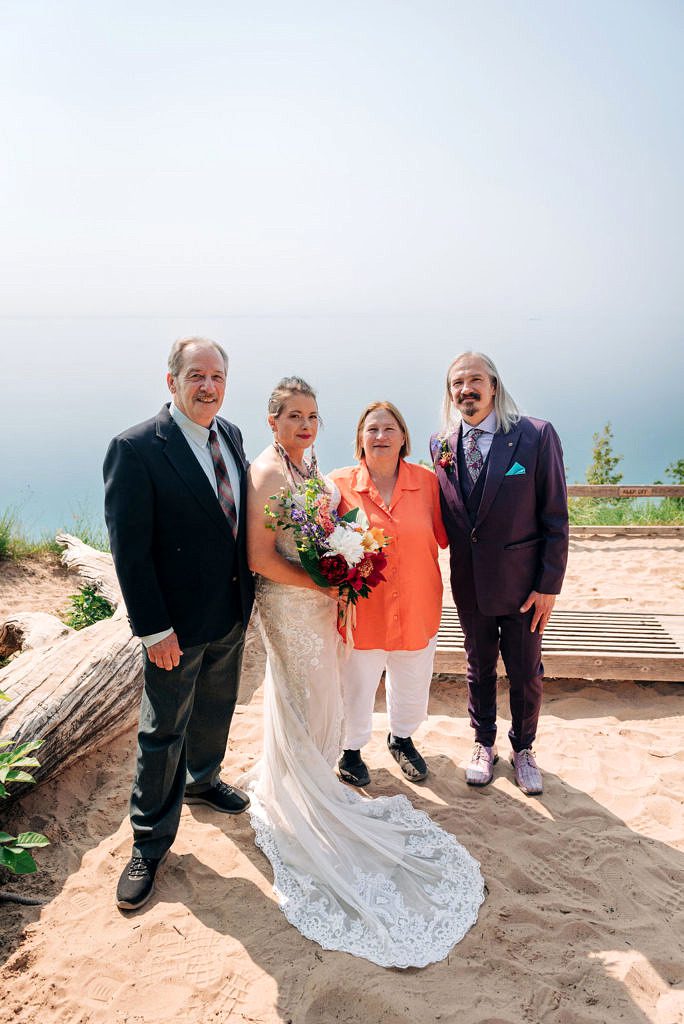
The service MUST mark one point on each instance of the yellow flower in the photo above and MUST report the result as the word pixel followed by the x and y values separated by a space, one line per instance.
pixel 374 538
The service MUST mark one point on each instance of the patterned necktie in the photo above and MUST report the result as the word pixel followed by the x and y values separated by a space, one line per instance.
pixel 225 491
pixel 473 455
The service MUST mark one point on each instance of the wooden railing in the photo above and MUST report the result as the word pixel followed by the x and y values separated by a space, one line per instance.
pixel 620 491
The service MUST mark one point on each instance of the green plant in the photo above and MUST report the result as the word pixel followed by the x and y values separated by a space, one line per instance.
pixel 675 471
pixel 15 542
pixel 14 850
pixel 88 607
pixel 8 533
pixel 595 512
pixel 603 461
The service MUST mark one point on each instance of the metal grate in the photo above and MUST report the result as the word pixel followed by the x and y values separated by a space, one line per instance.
pixel 591 644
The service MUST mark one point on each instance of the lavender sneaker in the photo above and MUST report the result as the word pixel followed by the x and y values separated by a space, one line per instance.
pixel 527 773
pixel 481 768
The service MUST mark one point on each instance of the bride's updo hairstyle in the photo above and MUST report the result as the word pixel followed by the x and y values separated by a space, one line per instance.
pixel 286 388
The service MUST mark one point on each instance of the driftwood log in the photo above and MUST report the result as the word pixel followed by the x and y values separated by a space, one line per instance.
pixel 24 630
pixel 76 690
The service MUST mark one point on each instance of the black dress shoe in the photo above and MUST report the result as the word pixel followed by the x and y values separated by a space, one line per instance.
pixel 221 797
pixel 407 757
pixel 136 884
pixel 352 768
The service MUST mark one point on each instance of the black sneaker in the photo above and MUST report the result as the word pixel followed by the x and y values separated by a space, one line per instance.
pixel 221 797
pixel 136 884
pixel 407 757
pixel 352 768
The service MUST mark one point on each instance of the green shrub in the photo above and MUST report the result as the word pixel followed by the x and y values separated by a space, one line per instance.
pixel 14 850
pixel 88 607
pixel 604 462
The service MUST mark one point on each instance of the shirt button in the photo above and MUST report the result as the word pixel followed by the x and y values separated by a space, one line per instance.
pixel 473 537
pixel 395 594
pixel 396 618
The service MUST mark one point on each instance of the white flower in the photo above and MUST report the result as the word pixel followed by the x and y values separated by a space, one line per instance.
pixel 346 541
pixel 298 498
pixel 362 519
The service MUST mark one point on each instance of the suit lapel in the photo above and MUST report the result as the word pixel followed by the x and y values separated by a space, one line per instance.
pixel 500 458
pixel 227 436
pixel 449 480
pixel 178 452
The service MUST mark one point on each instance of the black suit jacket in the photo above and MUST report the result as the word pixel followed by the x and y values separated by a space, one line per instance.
pixel 174 552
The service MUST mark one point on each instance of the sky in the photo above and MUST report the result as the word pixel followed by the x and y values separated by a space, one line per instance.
pixel 351 192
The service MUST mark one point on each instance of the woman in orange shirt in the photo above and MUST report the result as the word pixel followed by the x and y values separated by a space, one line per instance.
pixel 396 627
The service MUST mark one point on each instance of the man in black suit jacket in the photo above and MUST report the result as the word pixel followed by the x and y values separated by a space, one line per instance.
pixel 175 508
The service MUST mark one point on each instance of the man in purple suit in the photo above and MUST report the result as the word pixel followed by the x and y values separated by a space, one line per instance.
pixel 504 503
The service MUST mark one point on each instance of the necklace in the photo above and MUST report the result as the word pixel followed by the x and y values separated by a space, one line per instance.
pixel 296 472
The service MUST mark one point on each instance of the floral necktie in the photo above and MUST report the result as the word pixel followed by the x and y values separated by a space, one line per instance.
pixel 473 455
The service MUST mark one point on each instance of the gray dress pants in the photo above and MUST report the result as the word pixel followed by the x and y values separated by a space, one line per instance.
pixel 185 717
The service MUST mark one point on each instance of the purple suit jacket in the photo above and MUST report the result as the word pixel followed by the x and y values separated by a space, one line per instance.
pixel 519 541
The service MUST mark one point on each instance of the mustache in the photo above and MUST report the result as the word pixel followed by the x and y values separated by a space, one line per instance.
pixel 471 396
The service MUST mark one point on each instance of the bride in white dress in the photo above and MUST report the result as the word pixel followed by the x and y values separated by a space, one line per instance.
pixel 375 878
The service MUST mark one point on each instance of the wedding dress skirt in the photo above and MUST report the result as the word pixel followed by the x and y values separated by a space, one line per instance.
pixel 375 878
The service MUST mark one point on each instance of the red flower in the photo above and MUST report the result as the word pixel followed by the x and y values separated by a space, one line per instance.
pixel 379 561
pixel 334 568
pixel 368 573
pixel 355 580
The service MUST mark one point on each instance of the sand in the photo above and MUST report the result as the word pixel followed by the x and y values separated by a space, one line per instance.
pixel 584 918
pixel 36 584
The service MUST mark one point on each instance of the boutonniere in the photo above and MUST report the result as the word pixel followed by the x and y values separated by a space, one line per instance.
pixel 445 456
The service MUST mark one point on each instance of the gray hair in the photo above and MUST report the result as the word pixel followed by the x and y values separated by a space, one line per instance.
pixel 179 346
pixel 507 412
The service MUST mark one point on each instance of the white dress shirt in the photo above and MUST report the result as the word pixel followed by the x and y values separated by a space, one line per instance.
pixel 488 428
pixel 197 437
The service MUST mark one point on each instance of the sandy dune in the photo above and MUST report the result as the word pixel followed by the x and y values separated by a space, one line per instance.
pixel 584 920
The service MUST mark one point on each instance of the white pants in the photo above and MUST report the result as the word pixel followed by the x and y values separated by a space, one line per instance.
pixel 407 685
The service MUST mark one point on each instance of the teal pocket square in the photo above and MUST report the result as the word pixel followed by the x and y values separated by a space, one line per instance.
pixel 516 470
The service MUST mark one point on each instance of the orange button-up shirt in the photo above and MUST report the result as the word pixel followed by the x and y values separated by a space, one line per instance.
pixel 403 613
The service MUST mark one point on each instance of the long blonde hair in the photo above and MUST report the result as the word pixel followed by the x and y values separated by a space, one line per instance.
pixel 507 412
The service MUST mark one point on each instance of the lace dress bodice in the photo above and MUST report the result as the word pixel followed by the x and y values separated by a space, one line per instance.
pixel 374 878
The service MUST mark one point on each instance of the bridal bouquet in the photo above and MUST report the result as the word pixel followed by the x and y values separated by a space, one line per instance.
pixel 336 551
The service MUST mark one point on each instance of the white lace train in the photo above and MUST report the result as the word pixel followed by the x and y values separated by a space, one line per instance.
pixel 375 878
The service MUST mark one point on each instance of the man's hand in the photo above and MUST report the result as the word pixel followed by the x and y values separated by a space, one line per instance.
pixel 543 606
pixel 166 654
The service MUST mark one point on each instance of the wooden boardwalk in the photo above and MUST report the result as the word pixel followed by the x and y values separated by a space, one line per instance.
pixel 590 645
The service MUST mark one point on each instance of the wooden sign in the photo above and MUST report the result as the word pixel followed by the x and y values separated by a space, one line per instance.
pixel 635 492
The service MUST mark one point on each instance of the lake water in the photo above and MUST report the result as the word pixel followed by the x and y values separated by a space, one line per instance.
pixel 69 384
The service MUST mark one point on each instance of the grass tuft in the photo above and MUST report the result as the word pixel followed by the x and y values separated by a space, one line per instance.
pixel 16 543
pixel 593 512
